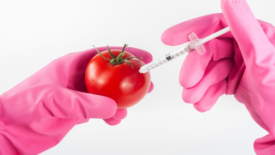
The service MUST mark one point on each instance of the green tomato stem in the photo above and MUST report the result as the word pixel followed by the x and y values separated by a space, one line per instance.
pixel 119 59
pixel 128 63
pixel 110 52
pixel 101 54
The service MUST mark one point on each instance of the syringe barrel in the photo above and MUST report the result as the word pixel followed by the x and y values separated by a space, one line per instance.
pixel 168 57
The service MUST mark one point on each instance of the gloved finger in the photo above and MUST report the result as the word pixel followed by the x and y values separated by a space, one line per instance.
pixel 120 114
pixel 265 145
pixel 81 121
pixel 151 88
pixel 194 65
pixel 211 96
pixel 66 103
pixel 252 40
pixel 215 73
pixel 116 119
pixel 112 121
pixel 202 26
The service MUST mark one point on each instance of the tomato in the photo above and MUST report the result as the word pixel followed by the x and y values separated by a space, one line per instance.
pixel 122 82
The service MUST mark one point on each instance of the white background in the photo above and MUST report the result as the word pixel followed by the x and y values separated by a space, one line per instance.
pixel 32 33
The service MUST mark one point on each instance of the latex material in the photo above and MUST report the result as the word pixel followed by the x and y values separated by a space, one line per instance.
pixel 240 62
pixel 37 113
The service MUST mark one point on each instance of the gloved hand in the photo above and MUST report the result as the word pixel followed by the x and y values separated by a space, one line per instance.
pixel 37 113
pixel 240 62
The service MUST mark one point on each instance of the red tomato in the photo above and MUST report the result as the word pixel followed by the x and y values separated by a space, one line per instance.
pixel 121 82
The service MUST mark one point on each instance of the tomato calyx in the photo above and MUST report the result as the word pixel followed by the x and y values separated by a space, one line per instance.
pixel 119 59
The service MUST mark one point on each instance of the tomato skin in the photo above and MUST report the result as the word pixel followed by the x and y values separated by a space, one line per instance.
pixel 124 84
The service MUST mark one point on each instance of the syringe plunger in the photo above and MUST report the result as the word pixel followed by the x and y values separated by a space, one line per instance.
pixel 194 44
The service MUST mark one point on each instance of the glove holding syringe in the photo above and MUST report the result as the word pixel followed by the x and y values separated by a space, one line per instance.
pixel 194 44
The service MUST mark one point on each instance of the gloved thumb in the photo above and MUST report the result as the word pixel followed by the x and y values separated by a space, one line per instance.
pixel 246 29
pixel 66 103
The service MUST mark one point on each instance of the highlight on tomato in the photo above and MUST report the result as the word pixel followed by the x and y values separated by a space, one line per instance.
pixel 115 74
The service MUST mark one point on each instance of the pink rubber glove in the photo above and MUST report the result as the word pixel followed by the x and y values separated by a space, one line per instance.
pixel 37 113
pixel 240 62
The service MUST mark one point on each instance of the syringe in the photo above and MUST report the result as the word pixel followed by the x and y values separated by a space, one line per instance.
pixel 194 44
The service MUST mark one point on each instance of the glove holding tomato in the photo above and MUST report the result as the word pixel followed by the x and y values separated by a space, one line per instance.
pixel 36 114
